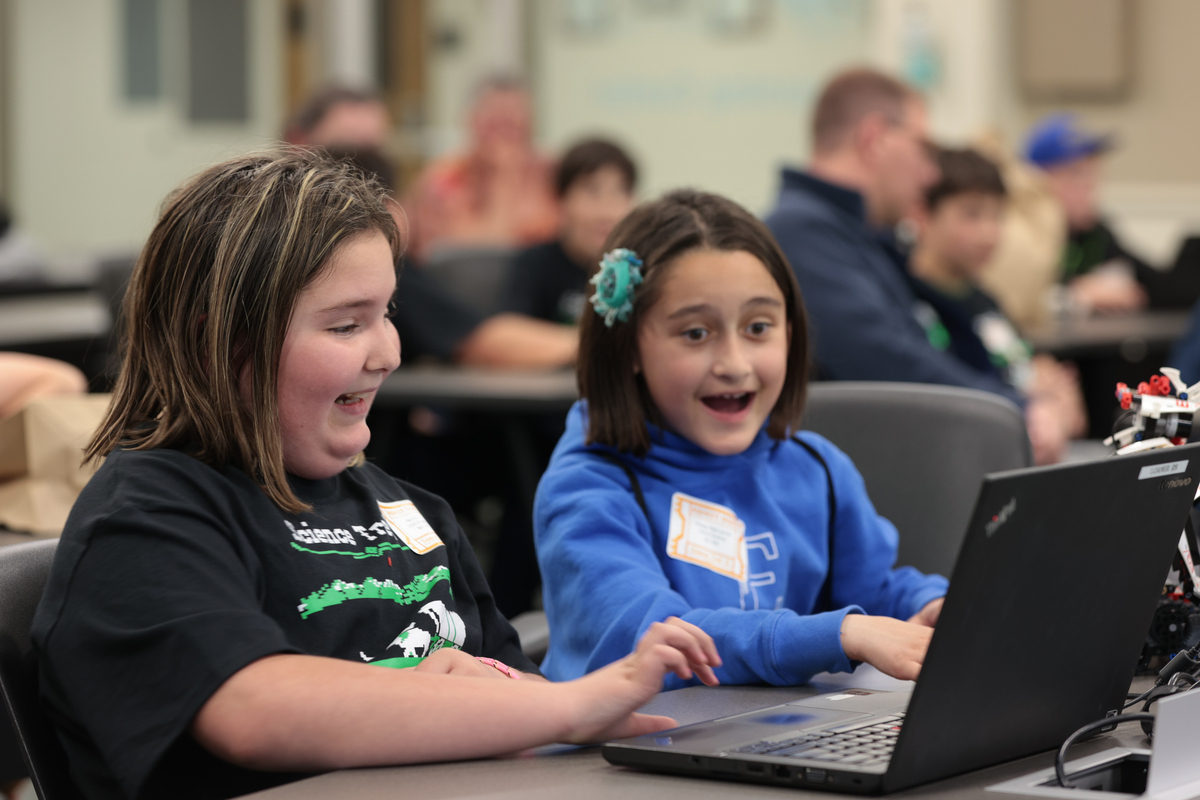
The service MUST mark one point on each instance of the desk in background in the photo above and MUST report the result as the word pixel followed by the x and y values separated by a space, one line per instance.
pixel 71 326
pixel 1129 336
pixel 564 773
pixel 474 389
pixel 47 318
pixel 511 395
pixel 1121 347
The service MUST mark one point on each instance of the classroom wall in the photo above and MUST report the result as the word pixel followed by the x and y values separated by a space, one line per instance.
pixel 698 102
pixel 1153 176
pixel 1159 123
pixel 470 39
pixel 89 168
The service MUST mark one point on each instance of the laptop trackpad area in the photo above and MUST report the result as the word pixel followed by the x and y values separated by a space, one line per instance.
pixel 767 723
pixel 866 701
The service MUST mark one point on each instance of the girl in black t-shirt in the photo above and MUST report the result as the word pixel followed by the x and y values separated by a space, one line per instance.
pixel 237 597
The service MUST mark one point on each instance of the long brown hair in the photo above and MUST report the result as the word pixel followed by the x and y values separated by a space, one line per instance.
pixel 659 232
pixel 211 298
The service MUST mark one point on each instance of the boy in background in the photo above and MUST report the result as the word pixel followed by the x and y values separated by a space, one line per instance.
pixel 958 228
pixel 595 185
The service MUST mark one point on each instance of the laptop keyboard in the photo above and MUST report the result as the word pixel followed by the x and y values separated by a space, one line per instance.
pixel 868 743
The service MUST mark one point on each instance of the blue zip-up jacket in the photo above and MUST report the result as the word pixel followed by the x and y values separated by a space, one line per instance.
pixel 860 309
pixel 607 574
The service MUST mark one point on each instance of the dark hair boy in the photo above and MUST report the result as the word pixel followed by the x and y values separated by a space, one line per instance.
pixel 595 184
pixel 960 225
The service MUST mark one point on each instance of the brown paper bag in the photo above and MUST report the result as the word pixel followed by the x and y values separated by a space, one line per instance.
pixel 41 454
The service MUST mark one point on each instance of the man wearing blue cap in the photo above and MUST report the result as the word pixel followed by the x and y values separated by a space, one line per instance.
pixel 1100 274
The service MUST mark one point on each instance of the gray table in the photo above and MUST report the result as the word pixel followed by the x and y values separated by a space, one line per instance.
pixel 67 316
pixel 566 773
pixel 1129 335
pixel 476 389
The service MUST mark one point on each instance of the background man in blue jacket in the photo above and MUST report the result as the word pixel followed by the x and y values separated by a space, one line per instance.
pixel 870 166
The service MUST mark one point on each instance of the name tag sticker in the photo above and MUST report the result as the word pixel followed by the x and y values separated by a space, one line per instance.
pixel 707 535
pixel 410 526
pixel 1159 470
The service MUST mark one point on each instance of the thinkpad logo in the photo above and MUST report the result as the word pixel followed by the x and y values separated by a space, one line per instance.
pixel 1175 483
pixel 1000 518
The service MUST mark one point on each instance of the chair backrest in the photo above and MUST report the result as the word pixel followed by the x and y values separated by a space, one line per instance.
pixel 475 276
pixel 24 569
pixel 534 631
pixel 922 450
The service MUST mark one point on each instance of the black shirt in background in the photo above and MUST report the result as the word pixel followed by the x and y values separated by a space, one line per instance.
pixel 432 323
pixel 171 576
pixel 1174 288
pixel 972 327
pixel 548 285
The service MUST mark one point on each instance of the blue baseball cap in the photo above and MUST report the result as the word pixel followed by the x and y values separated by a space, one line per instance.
pixel 1057 139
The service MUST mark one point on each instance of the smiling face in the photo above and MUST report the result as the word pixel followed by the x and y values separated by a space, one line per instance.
pixel 713 348
pixel 962 232
pixel 591 207
pixel 340 345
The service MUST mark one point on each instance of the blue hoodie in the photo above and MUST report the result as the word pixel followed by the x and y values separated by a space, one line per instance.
pixel 607 574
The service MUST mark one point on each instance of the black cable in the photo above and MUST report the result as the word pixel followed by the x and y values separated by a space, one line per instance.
pixel 1134 700
pixel 1060 763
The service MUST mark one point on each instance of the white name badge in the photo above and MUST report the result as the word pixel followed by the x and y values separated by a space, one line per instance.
pixel 707 535
pixel 410 526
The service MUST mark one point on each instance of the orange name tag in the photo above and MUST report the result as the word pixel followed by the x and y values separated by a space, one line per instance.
pixel 707 535
pixel 412 528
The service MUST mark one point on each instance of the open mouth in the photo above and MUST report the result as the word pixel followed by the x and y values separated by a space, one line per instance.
pixel 730 403
pixel 350 398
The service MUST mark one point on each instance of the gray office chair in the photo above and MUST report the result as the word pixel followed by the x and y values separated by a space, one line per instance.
pixel 534 631
pixel 24 569
pixel 922 450
pixel 476 276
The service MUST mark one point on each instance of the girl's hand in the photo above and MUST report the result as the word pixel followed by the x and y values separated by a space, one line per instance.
pixel 893 647
pixel 928 616
pixel 449 661
pixel 607 697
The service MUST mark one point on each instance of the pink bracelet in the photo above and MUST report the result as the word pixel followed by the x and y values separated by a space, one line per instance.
pixel 500 665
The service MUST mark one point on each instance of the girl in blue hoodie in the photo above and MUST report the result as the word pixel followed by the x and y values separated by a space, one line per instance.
pixel 682 490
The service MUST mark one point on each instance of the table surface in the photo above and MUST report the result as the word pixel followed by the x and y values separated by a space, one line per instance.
pixel 568 773
pixel 1081 335
pixel 53 318
pixel 472 388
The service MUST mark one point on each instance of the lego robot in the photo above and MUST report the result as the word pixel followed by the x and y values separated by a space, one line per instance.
pixel 1160 414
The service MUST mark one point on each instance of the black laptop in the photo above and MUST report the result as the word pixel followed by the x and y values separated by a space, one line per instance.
pixel 1049 603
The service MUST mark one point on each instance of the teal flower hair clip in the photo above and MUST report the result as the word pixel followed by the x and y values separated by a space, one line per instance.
pixel 620 271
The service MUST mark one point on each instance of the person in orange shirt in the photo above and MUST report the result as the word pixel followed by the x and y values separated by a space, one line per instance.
pixel 499 193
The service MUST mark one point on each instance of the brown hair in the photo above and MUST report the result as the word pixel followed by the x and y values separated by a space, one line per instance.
pixel 619 404
pixel 212 294
pixel 963 171
pixel 587 157
pixel 852 96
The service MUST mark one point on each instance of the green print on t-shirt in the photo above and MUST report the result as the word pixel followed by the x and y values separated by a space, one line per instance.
pixel 370 551
pixel 338 592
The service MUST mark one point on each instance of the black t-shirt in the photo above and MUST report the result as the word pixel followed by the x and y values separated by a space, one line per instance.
pixel 171 576
pixel 973 328
pixel 1177 287
pixel 432 323
pixel 548 285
